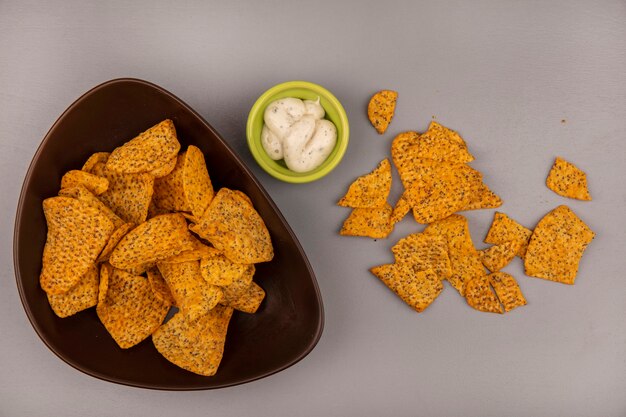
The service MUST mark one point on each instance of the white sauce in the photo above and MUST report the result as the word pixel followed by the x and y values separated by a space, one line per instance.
pixel 297 132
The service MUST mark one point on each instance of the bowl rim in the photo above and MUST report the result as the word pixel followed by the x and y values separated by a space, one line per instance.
pixel 16 253
pixel 343 117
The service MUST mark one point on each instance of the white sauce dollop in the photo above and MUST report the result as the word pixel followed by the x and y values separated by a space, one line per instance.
pixel 297 132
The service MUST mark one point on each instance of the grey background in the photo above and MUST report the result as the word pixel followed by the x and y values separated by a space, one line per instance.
pixel 521 81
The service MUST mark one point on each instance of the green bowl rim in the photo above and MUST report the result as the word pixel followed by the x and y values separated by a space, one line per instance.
pixel 342 144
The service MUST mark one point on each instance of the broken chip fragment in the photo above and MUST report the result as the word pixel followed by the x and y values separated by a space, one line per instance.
pixel 567 180
pixel 416 288
pixel 381 108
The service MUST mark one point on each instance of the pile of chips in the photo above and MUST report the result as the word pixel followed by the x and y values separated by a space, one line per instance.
pixel 438 182
pixel 140 233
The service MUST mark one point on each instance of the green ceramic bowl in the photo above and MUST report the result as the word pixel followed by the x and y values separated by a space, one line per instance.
pixel 303 90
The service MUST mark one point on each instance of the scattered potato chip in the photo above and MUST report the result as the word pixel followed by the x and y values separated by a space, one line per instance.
pixel 197 185
pixel 196 346
pixel 235 228
pixel 240 284
pixel 380 109
pixel 77 233
pixel 416 288
pixel 93 183
pixel 369 222
pixel 424 252
pixel 567 180
pixel 504 229
pixel 94 159
pixel 164 169
pixel 86 196
pixel 196 251
pixel 80 297
pixel 219 270
pixel 128 309
pixel 557 245
pixel 169 193
pixel 507 290
pixel 249 302
pixel 193 295
pixel 497 257
pixel 153 240
pixel 115 238
pixel 129 195
pixel 480 296
pixel 370 190
pixel 146 152
pixel 159 287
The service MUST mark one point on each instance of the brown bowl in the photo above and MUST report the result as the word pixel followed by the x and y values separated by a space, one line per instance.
pixel 284 330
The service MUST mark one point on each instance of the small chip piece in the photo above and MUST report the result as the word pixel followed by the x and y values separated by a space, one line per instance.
pixel 197 185
pixel 77 233
pixel 80 297
pixel 155 239
pixel 567 180
pixel 504 229
pixel 370 190
pixel 148 151
pixel 193 295
pixel 164 169
pixel 159 287
pixel 480 295
pixel 249 302
pixel 507 290
pixel 497 257
pixel 93 183
pixel 94 159
pixel 557 245
pixel 235 228
pixel 115 238
pixel 169 193
pixel 424 252
pixel 219 270
pixel 369 222
pixel 196 346
pixel 416 288
pixel 128 308
pixel 381 108
pixel 86 196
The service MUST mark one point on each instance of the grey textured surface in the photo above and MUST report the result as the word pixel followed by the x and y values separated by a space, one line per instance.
pixel 521 81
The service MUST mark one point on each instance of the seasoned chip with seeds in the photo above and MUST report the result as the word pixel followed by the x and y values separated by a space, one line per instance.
pixel 146 152
pixel 115 238
pixel 416 288
pixel 196 346
pixel 93 183
pixel 240 285
pixel 159 287
pixel 504 229
pixel 557 245
pixel 94 159
pixel 380 109
pixel 169 193
pixel 480 295
pixel 567 180
pixel 128 308
pixel 80 297
pixel 507 290
pixel 497 257
pixel 370 190
pixel 368 222
pixel 219 270
pixel 197 185
pixel 235 228
pixel 164 169
pixel 248 302
pixel 86 196
pixel 481 197
pixel 153 240
pixel 77 233
pixel 423 252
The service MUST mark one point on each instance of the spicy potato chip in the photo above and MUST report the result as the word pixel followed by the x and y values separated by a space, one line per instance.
pixel 98 157
pixel 497 257
pixel 93 183
pixel 86 196
pixel 77 233
pixel 128 308
pixel 148 151
pixel 370 190
pixel 169 193
pixel 155 239
pixel 416 288
pixel 249 301
pixel 370 222
pixel 219 270
pixel 507 290
pixel 80 297
pixel 159 287
pixel 196 346
pixel 197 186
pixel 164 169
pixel 197 250
pixel 115 238
pixel 504 229
pixel 193 295
pixel 567 180
pixel 557 245
pixel 235 228
pixel 380 109
pixel 423 252
pixel 480 295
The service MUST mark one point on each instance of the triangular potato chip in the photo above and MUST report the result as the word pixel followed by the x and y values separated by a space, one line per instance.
pixel 567 180
pixel 370 190
pixel 416 288
pixel 369 222
pixel 381 108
